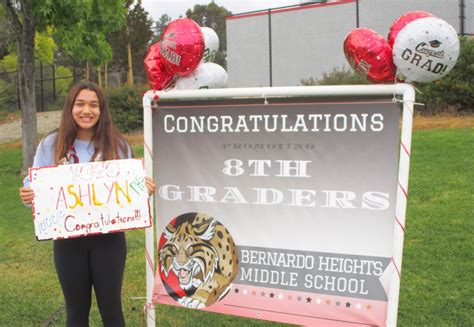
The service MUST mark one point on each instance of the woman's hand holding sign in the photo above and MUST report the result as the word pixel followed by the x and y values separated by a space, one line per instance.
pixel 26 195
pixel 150 185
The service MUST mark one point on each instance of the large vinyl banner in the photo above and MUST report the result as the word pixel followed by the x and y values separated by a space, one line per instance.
pixel 282 211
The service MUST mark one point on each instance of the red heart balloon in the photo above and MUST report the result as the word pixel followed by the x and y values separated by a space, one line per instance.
pixel 182 46
pixel 368 52
pixel 156 73
pixel 402 21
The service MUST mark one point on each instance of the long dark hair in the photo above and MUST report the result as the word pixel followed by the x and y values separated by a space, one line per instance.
pixel 107 139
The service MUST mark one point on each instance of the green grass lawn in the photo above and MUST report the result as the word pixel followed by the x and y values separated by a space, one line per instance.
pixel 438 265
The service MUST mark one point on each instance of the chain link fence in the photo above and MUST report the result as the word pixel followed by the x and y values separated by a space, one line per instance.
pixel 283 46
pixel 52 83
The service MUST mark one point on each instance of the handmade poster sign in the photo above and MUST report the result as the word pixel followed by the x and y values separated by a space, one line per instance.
pixel 89 198
pixel 282 211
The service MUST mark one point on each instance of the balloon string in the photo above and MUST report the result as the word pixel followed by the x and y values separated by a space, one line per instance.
pixel 403 101
pixel 417 90
pixel 395 99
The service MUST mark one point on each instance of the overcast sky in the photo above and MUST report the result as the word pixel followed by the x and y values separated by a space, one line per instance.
pixel 156 8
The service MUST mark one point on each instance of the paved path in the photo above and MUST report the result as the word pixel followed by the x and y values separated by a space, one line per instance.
pixel 46 121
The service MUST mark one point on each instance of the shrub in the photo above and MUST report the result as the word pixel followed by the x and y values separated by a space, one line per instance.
pixel 126 107
pixel 8 96
pixel 338 76
pixel 455 92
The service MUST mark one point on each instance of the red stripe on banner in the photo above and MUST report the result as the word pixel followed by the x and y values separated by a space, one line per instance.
pixel 399 223
pixel 148 149
pixel 396 268
pixel 149 258
pixel 404 148
pixel 403 190
pixel 150 262
pixel 150 316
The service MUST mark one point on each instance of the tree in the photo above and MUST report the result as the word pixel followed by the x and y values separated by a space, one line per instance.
pixel 45 47
pixel 160 26
pixel 44 53
pixel 78 26
pixel 137 32
pixel 140 33
pixel 213 16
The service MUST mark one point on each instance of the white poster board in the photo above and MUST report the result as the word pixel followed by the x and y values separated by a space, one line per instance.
pixel 89 198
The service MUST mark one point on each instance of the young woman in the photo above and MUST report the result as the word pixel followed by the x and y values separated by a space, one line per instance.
pixel 86 133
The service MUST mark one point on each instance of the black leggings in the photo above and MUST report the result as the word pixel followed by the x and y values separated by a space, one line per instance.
pixel 98 261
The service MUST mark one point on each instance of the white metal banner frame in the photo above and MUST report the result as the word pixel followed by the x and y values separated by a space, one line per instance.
pixel 406 91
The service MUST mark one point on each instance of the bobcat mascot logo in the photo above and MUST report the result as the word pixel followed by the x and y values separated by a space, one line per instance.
pixel 200 255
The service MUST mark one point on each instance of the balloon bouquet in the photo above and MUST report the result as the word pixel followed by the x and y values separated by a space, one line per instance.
pixel 420 48
pixel 182 59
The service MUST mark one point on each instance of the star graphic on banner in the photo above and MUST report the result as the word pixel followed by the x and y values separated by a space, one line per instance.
pixel 328 301
pixel 348 304
pixel 254 292
pixel 272 295
pixel 299 298
pixel 236 290
pixel 308 299
pixel 262 294
pixel 245 292
pixel 290 297
pixel 280 296
pixel 358 306
pixel 369 307
pixel 318 300
pixel 338 303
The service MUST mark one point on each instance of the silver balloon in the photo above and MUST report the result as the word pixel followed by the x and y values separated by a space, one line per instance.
pixel 207 75
pixel 425 50
pixel 211 44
